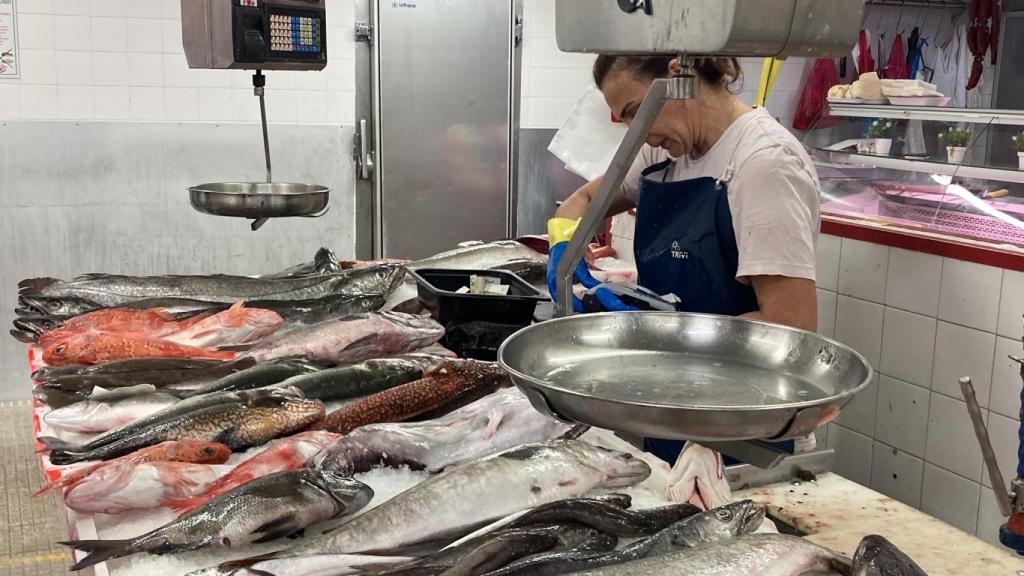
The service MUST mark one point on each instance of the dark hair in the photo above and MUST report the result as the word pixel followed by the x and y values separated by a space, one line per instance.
pixel 720 72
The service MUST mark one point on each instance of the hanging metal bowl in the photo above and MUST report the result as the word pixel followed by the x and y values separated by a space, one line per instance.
pixel 684 376
pixel 260 200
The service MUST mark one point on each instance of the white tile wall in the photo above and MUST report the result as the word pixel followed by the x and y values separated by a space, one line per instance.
pixel 1006 381
pixel 859 325
pixel 862 270
pixel 962 351
pixel 913 281
pixel 950 436
pixel 897 474
pixel 902 419
pixel 908 346
pixel 951 498
pixel 123 60
pixel 969 294
pixel 929 320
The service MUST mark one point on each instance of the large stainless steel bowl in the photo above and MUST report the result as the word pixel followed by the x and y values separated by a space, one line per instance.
pixel 684 376
pixel 259 199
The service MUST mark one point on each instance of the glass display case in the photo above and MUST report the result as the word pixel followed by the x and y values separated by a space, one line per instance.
pixel 940 173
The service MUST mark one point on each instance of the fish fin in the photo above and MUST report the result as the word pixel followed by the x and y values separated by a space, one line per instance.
pixel 35 285
pixel 183 505
pixel 245 563
pixel 284 526
pixel 227 435
pixel 494 420
pixel 99 551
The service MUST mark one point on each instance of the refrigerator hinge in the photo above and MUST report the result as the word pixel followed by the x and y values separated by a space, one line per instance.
pixel 364 32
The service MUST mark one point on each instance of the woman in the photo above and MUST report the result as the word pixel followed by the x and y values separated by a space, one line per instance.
pixel 726 199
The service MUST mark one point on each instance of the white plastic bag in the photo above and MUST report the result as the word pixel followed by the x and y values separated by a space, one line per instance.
pixel 588 139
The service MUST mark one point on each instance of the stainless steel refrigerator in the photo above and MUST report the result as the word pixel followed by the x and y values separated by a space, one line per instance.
pixel 437 114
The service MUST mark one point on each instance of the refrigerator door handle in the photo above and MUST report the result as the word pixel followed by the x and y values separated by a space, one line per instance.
pixel 364 157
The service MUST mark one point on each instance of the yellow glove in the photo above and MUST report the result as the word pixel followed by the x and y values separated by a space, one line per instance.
pixel 561 229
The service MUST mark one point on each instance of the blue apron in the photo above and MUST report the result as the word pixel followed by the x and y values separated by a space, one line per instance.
pixel 685 245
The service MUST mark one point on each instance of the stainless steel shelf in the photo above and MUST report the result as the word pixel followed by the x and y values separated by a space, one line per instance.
pixel 976 116
pixel 925 166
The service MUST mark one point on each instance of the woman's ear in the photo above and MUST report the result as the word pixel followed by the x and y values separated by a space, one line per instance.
pixel 675 68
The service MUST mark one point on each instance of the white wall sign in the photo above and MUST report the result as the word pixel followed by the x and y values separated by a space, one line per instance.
pixel 9 63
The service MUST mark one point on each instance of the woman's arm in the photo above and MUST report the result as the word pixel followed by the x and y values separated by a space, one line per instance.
pixel 784 300
pixel 576 204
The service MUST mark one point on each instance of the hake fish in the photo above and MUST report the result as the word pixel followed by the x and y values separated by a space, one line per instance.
pixel 749 555
pixel 110 290
pixel 362 379
pixel 160 372
pixel 352 339
pixel 490 425
pixel 267 508
pixel 238 426
pixel 442 387
pixel 100 415
pixel 480 256
pixel 324 262
pixel 462 498
pixel 257 376
pixel 876 556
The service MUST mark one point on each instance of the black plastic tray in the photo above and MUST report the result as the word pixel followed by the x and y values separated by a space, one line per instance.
pixel 436 288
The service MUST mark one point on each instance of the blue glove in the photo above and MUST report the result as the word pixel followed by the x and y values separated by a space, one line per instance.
pixel 609 301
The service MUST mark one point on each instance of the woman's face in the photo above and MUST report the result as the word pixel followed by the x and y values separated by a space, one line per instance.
pixel 672 129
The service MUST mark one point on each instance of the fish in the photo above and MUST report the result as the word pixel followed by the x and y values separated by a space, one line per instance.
pixel 324 262
pixel 352 339
pixel 100 347
pixel 36 326
pixel 185 407
pixel 439 388
pixel 235 326
pixel 194 451
pixel 237 426
pixel 100 415
pixel 479 256
pixel 50 306
pixel 148 322
pixel 265 509
pixel 160 372
pixel 128 486
pixel 533 271
pixel 876 556
pixel 716 525
pixel 110 290
pixel 748 555
pixel 257 376
pixel 537 564
pixel 282 455
pixel 490 425
pixel 362 379
pixel 456 501
pixel 56 398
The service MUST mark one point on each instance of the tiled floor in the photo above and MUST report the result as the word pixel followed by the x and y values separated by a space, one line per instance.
pixel 30 526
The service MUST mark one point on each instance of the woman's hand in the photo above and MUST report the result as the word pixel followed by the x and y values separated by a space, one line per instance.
pixel 785 300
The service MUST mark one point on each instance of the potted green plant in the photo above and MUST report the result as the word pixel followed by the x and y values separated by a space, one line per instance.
pixel 956 140
pixel 882 132
pixel 1018 143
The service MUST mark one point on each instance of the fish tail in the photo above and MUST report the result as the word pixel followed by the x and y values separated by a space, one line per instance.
pixel 35 286
pixel 56 444
pixel 98 551
pixel 63 457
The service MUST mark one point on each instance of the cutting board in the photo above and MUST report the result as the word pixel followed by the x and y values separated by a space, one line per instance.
pixel 837 513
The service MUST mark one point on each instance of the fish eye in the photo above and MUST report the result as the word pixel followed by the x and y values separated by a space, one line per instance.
pixel 59 349
pixel 724 514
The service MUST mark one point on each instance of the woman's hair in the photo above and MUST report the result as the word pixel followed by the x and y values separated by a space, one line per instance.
pixel 722 73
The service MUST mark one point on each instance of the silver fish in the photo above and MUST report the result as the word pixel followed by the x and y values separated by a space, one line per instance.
pixel 324 262
pixel 352 339
pixel 264 509
pixel 462 498
pixel 480 256
pixel 105 413
pixel 876 556
pixel 751 555
pixel 114 290
pixel 490 425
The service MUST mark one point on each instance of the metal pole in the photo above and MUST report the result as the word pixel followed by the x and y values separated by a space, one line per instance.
pixel 612 183
pixel 988 454
pixel 258 82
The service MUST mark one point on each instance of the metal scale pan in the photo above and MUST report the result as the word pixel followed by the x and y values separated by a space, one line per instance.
pixel 684 376
pixel 259 199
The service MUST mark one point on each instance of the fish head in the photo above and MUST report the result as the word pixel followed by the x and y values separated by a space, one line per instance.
pixel 876 556
pixel 198 451
pixel 387 277
pixel 719 524
pixel 59 350
pixel 620 469
pixel 350 493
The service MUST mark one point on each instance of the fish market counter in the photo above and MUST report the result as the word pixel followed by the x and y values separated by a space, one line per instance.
pixel 836 513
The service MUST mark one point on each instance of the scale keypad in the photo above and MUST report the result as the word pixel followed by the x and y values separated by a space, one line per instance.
pixel 294 33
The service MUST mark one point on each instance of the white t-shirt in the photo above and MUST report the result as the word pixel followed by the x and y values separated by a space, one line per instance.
pixel 773 194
